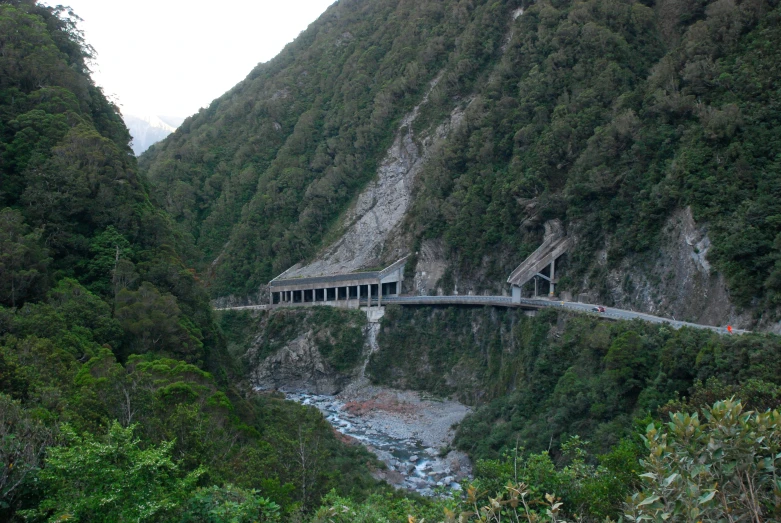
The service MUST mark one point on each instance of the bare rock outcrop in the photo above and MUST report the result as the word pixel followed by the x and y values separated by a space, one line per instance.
pixel 372 235
pixel 432 263
pixel 676 280
pixel 299 350
pixel 299 366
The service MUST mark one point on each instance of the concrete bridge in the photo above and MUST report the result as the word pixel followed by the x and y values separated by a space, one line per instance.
pixel 538 304
pixel 370 290
pixel 374 308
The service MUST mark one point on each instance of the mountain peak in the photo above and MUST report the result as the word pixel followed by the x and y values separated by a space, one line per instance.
pixel 147 130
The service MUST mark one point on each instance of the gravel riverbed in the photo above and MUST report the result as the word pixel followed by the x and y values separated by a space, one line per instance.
pixel 405 429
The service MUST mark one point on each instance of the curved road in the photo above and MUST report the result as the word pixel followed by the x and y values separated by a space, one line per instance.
pixel 504 301
pixel 525 303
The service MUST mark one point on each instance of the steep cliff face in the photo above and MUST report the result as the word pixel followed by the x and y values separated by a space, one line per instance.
pixel 676 281
pixel 313 350
pixel 298 366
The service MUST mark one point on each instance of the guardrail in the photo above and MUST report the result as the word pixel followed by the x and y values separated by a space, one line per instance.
pixel 506 301
pixel 453 300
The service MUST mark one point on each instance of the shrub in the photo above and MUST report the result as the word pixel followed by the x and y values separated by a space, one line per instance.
pixel 723 469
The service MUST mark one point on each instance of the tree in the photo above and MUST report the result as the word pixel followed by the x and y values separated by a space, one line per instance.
pixel 23 441
pixel 23 259
pixel 229 504
pixel 112 479
pixel 110 249
pixel 155 322
pixel 82 309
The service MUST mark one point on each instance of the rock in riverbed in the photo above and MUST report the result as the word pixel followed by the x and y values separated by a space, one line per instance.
pixel 403 430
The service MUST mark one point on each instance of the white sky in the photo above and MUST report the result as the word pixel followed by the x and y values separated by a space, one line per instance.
pixel 172 57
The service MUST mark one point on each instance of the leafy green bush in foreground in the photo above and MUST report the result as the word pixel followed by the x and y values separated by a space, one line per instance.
pixel 723 468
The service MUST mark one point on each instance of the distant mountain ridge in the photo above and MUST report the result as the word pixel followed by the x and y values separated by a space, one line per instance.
pixel 148 130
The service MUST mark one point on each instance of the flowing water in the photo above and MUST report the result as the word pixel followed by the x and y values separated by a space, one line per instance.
pixel 402 429
pixel 418 467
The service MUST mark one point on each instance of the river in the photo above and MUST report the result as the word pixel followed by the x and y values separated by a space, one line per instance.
pixel 404 430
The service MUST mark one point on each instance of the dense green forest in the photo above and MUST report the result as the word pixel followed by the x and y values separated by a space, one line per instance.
pixel 119 400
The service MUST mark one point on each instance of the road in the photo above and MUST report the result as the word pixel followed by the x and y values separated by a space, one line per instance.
pixel 504 301
pixel 525 303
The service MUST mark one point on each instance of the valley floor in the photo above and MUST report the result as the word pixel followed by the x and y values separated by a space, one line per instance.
pixel 408 431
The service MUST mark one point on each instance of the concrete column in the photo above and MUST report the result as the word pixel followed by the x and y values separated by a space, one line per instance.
pixel 552 277
pixel 379 294
pixel 536 279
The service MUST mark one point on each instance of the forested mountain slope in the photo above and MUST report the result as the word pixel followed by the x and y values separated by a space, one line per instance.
pixel 73 203
pixel 624 119
pixel 118 398
pixel 273 162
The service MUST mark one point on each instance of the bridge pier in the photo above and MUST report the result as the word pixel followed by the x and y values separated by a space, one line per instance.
pixel 552 292
pixel 374 314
